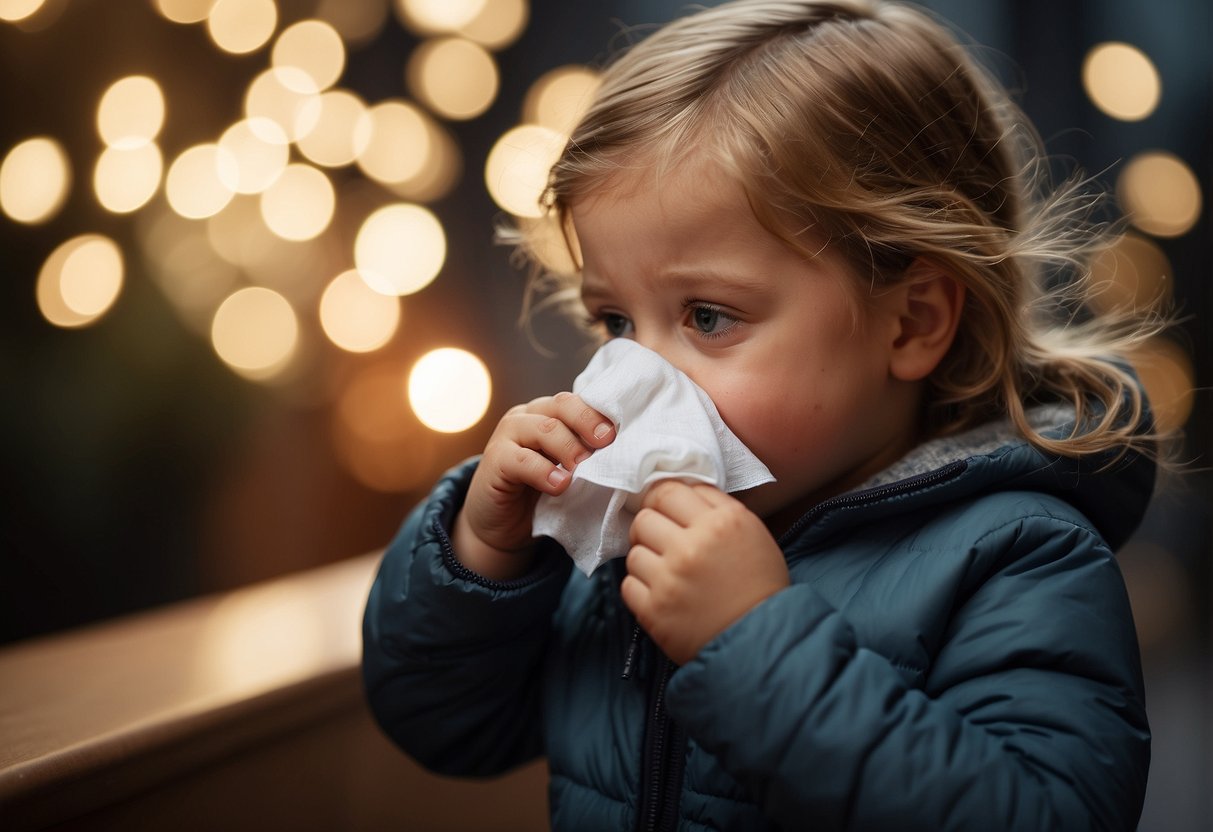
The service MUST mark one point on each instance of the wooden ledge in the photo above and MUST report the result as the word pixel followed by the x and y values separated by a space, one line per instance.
pixel 90 717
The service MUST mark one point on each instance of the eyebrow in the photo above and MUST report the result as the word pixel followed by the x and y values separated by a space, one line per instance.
pixel 689 280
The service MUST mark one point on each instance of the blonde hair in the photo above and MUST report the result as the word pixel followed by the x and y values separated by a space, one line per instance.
pixel 868 126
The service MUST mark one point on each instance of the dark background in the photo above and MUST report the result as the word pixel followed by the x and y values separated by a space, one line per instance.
pixel 138 470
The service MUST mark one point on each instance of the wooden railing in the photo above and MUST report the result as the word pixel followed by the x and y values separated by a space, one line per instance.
pixel 239 711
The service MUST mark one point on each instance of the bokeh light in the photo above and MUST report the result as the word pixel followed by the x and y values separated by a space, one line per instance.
pixel 259 149
pixel 131 112
pixel 339 134
pixel 195 185
pixel 432 17
pixel 1132 274
pixel 80 281
pixel 300 204
pixel 357 23
pixel 125 178
pixel 313 47
pixel 449 389
pixel 398 145
pixel 559 98
pixel 376 437
pixel 241 26
pixel 517 169
pixel 441 171
pixel 14 10
pixel 400 249
pixel 454 77
pixel 183 265
pixel 1160 193
pixel 1167 374
pixel 184 11
pixel 1121 81
pixel 499 23
pixel 34 180
pixel 355 317
pixel 255 332
pixel 287 96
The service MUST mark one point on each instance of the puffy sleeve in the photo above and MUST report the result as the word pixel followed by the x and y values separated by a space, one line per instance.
pixel 450 659
pixel 1031 716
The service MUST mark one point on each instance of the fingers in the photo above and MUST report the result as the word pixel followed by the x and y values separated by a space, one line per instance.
pixel 540 443
pixel 683 501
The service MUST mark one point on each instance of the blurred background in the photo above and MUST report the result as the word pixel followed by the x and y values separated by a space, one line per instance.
pixel 251 307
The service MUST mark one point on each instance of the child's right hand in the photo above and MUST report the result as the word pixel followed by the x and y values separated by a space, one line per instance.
pixel 492 534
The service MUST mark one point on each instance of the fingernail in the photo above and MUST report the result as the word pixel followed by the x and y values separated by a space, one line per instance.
pixel 558 476
pixel 602 430
pixel 581 457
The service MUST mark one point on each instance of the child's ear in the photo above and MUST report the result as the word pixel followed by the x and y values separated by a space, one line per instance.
pixel 927 303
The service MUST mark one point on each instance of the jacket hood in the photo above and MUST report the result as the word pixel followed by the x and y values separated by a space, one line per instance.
pixel 1112 491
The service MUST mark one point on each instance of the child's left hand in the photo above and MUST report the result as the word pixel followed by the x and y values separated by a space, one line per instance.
pixel 699 561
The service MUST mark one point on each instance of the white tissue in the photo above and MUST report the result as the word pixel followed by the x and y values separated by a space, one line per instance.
pixel 666 426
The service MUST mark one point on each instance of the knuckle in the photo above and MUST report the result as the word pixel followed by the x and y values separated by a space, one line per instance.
pixel 549 424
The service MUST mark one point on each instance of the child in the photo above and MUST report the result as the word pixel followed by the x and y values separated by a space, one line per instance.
pixel 830 219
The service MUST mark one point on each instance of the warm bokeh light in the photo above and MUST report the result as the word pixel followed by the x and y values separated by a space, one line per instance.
pixel 560 97
pixel 398 142
pixel 441 171
pixel 339 134
pixel 518 166
pixel 15 10
pixel 195 183
pixel 126 178
pixel 1121 81
pixel 1167 373
pixel 400 249
pixel 241 26
pixel 357 23
pixel 449 390
pixel 255 332
pixel 1160 193
pixel 1132 274
pixel 260 151
pixel 80 281
pixel 300 204
pixel 454 77
pixel 355 317
pixel 131 112
pixel 431 17
pixel 182 264
pixel 286 97
pixel 184 11
pixel 498 24
pixel 34 180
pixel 376 436
pixel 313 47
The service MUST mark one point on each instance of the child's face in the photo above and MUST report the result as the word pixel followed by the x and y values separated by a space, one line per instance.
pixel 796 364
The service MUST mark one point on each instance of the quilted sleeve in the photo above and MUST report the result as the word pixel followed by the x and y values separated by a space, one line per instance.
pixel 450 659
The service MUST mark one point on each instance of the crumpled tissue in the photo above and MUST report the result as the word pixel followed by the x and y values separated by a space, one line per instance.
pixel 665 427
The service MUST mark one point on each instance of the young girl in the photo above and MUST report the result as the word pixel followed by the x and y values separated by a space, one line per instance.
pixel 830 218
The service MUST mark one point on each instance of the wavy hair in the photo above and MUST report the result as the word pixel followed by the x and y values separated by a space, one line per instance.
pixel 869 127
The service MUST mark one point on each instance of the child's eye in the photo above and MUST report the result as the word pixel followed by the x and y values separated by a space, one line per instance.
pixel 711 320
pixel 616 325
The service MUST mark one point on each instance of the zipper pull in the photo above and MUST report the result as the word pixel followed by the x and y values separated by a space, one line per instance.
pixel 629 660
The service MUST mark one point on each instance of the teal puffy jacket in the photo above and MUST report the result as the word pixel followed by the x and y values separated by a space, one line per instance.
pixel 956 651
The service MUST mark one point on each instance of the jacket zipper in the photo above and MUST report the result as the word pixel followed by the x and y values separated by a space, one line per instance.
pixel 664 761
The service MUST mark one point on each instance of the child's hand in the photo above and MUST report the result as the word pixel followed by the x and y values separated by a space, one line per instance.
pixel 699 561
pixel 492 534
